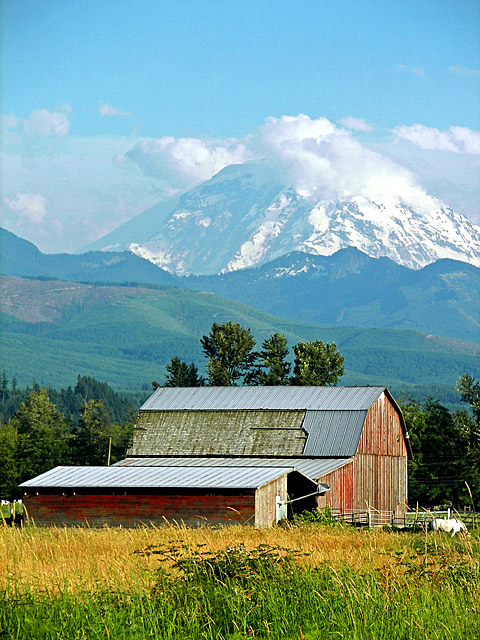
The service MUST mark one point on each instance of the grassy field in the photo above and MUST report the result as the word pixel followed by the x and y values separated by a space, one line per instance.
pixel 299 582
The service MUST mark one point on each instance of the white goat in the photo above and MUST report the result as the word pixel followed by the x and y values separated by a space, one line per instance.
pixel 452 525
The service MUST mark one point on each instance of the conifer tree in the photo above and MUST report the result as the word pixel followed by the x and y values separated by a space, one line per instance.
pixel 273 368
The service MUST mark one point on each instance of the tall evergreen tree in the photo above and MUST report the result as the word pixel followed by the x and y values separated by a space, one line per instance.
pixel 8 461
pixel 317 364
pixel 98 440
pixel 42 435
pixel 437 474
pixel 230 355
pixel 469 425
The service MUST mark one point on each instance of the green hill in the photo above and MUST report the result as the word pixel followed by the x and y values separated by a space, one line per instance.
pixel 51 331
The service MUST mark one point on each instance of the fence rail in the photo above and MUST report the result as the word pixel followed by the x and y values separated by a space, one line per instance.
pixel 470 518
pixel 373 517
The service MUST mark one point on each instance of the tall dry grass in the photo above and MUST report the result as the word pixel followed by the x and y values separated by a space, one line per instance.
pixel 231 583
pixel 78 559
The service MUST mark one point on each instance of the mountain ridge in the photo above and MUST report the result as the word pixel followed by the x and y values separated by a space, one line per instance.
pixel 348 288
pixel 52 331
pixel 244 216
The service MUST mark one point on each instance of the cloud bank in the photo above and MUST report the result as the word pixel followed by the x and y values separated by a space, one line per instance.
pixel 62 191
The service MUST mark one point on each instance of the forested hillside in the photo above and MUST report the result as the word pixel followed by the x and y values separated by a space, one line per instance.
pixel 347 288
pixel 52 331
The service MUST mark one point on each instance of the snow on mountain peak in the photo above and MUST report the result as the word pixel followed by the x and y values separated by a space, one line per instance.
pixel 245 215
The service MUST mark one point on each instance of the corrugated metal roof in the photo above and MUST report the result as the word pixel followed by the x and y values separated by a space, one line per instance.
pixel 333 433
pixel 313 468
pixel 143 477
pixel 274 398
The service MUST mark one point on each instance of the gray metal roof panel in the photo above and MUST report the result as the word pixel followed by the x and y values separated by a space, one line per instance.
pixel 313 468
pixel 333 433
pixel 143 477
pixel 267 398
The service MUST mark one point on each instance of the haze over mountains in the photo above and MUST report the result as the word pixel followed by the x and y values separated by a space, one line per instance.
pixel 249 214
pixel 346 289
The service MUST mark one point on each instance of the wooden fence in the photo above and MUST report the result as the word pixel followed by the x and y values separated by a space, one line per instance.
pixel 374 518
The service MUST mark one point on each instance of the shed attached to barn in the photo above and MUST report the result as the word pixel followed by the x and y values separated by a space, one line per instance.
pixel 135 495
pixel 283 442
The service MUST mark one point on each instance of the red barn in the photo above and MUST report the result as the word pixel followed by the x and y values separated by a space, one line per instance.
pixel 245 454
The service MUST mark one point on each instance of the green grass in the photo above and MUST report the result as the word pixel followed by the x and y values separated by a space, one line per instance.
pixel 265 592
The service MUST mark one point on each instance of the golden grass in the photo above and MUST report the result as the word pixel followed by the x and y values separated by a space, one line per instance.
pixel 77 559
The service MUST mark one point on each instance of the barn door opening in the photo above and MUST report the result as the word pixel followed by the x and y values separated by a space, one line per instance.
pixel 297 487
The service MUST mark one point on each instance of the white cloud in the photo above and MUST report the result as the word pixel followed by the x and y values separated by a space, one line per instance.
pixel 456 139
pixel 464 72
pixel 9 121
pixel 89 186
pixel 110 179
pixel 45 123
pixel 184 161
pixel 321 160
pixel 326 162
pixel 356 124
pixel 108 110
pixel 416 71
pixel 30 206
pixel 467 139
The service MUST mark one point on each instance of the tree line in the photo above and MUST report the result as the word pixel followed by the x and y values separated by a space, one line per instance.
pixel 445 470
pixel 90 424
pixel 231 359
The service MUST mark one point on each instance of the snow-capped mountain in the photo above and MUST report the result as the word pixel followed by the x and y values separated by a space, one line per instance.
pixel 245 216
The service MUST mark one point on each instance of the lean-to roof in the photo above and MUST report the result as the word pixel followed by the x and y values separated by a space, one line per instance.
pixel 161 477
pixel 313 468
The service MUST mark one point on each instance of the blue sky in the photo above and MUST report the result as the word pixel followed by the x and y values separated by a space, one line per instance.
pixel 93 93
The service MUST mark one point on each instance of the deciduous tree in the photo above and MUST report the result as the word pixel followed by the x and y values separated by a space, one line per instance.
pixel 230 355
pixel 317 364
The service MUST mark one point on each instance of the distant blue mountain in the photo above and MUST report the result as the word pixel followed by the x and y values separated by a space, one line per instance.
pixel 19 257
pixel 351 289
pixel 347 288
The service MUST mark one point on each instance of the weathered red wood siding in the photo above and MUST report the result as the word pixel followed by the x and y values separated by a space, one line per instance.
pixel 381 461
pixel 134 510
pixel 382 433
pixel 377 476
pixel 341 483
